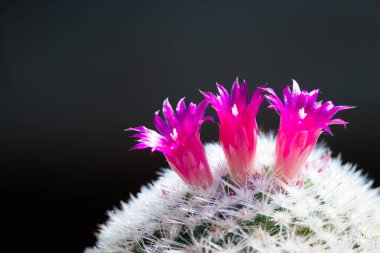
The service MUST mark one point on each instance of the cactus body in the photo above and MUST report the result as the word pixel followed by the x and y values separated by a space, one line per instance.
pixel 334 209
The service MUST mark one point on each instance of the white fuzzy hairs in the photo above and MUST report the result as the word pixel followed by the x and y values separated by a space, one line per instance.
pixel 333 210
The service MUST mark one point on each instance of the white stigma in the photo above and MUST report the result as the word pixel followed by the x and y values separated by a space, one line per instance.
pixel 235 111
pixel 302 113
pixel 174 135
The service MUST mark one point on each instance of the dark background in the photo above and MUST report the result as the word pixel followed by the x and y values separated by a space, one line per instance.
pixel 75 74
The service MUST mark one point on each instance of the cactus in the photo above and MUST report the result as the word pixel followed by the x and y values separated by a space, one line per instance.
pixel 333 210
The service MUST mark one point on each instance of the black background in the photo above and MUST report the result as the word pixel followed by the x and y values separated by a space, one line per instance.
pixel 75 74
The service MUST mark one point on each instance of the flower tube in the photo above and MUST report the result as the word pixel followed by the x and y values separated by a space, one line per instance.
pixel 179 140
pixel 237 127
pixel 302 122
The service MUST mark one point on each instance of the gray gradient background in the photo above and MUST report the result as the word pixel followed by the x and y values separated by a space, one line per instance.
pixel 75 74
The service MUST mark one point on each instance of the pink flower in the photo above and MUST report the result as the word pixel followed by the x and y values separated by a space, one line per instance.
pixel 301 124
pixel 178 139
pixel 237 127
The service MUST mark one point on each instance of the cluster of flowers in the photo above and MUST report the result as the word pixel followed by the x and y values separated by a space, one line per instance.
pixel 302 121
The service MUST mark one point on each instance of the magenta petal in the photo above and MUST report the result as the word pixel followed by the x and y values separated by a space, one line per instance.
pixel 169 113
pixel 244 91
pixel 181 109
pixel 139 146
pixel 201 109
pixel 139 135
pixel 328 130
pixel 311 100
pixel 138 129
pixel 338 122
pixel 257 99
pixel 191 110
pixel 288 98
pixel 224 96
pixel 161 125
pixel 235 92
pixel 212 99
